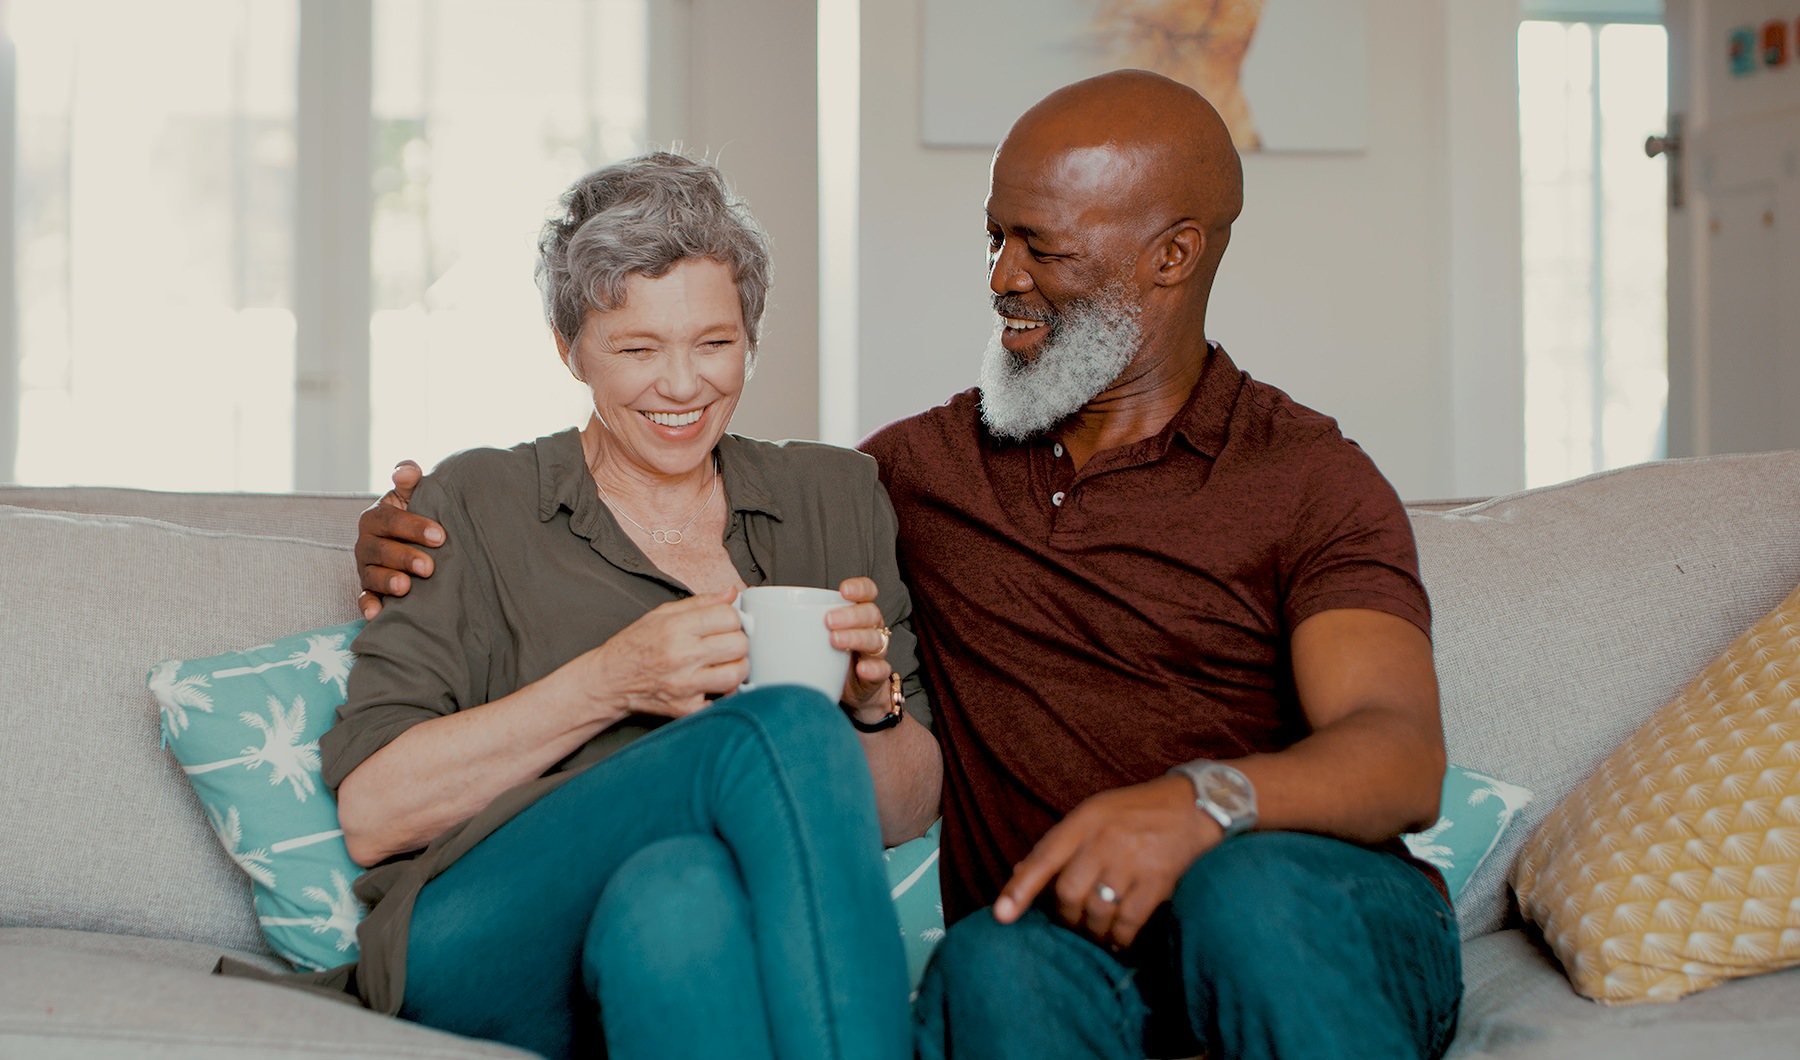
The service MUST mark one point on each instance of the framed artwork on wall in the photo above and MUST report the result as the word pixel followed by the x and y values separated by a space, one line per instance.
pixel 1287 75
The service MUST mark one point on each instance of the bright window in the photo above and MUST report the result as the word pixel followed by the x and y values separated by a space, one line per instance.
pixel 155 162
pixel 480 122
pixel 154 234
pixel 1595 246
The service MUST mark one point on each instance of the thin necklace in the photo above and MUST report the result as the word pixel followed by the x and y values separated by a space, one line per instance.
pixel 663 537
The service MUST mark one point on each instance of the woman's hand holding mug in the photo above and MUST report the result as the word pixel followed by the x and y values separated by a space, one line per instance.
pixel 674 659
pixel 859 629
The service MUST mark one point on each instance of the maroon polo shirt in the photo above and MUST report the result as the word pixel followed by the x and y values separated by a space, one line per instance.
pixel 1083 631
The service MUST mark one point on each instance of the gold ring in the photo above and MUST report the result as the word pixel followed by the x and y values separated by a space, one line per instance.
pixel 886 635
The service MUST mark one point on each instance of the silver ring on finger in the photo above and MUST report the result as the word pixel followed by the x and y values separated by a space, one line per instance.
pixel 1106 894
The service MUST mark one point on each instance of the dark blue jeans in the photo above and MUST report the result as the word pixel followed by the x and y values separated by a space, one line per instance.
pixel 1275 944
pixel 714 889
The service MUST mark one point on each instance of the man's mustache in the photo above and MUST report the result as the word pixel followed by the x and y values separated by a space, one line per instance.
pixel 1012 305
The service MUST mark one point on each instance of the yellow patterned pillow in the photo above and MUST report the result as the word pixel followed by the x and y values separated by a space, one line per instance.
pixel 1676 866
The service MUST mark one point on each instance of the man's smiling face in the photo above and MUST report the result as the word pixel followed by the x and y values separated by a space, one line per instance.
pixel 1053 238
pixel 1062 274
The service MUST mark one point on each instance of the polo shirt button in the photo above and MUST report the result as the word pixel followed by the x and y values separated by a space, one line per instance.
pixel 1057 449
pixel 1056 498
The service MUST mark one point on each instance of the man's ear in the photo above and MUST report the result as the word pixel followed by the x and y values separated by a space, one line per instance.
pixel 1178 251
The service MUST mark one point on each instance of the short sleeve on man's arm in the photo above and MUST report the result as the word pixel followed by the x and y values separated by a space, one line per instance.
pixel 1352 545
pixel 424 656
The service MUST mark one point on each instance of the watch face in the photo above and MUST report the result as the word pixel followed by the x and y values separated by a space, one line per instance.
pixel 1228 789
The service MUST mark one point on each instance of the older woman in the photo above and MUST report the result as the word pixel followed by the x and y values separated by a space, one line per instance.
pixel 575 837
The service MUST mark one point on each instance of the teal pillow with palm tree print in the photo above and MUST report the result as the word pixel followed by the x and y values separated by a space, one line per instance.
pixel 1473 814
pixel 912 870
pixel 245 727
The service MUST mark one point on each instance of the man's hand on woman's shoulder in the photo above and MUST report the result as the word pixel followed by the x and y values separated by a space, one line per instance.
pixel 391 542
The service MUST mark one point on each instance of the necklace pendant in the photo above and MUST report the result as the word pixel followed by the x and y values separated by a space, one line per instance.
pixel 666 537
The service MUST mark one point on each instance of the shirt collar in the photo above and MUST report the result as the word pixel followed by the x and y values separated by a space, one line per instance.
pixel 564 481
pixel 1205 419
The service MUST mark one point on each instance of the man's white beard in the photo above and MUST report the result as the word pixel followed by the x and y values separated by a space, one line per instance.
pixel 1089 344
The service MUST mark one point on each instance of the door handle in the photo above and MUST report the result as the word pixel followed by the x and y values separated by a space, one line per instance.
pixel 1668 145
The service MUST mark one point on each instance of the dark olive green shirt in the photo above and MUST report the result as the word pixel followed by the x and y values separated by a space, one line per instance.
pixel 534 572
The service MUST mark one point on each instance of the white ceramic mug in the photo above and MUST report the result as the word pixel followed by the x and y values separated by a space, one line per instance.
pixel 789 644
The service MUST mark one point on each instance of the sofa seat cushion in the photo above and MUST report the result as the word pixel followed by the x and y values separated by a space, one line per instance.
pixel 95 997
pixel 1516 1004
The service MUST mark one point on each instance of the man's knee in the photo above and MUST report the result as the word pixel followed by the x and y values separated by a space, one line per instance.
pixel 1279 893
pixel 1258 892
pixel 1032 988
pixel 981 954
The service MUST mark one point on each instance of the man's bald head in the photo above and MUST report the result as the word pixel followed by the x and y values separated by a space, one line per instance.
pixel 1149 144
pixel 1108 210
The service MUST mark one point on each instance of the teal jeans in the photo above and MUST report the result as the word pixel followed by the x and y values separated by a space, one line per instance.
pixel 714 889
pixel 1274 944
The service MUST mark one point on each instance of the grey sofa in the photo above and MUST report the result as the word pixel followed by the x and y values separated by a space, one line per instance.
pixel 1564 617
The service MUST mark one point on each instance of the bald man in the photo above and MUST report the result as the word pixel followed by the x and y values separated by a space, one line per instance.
pixel 1174 628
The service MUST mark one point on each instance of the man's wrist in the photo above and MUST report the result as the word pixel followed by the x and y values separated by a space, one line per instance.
pixel 1223 793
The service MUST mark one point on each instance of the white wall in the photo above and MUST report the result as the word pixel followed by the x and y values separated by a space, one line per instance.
pixel 751 103
pixel 1381 287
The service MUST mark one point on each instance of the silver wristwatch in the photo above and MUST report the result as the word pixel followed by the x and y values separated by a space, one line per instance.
pixel 1222 793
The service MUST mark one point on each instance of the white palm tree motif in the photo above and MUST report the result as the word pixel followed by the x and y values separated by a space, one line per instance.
pixel 1426 848
pixel 1512 799
pixel 342 913
pixel 343 910
pixel 289 760
pixel 229 827
pixel 176 697
pixel 326 651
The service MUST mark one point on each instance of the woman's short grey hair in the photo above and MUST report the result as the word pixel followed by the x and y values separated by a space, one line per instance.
pixel 642 217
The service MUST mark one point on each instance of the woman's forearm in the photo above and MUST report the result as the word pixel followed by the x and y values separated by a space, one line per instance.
pixel 442 772
pixel 908 770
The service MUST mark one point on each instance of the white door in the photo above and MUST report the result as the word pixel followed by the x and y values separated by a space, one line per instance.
pixel 1734 226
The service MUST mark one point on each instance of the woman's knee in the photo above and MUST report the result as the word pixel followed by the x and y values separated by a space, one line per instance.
pixel 669 910
pixel 789 718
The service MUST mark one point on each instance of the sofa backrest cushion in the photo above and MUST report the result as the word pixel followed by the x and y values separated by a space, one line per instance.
pixel 1564 617
pixel 327 518
pixel 99 829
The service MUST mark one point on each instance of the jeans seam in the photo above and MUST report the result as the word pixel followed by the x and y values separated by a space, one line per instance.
pixel 807 856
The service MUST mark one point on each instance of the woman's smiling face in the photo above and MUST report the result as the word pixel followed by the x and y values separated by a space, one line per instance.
pixel 666 367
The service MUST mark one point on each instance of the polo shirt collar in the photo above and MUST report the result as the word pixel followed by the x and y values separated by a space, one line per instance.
pixel 1206 418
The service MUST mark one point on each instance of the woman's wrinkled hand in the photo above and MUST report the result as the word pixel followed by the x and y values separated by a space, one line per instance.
pixel 859 629
pixel 670 661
